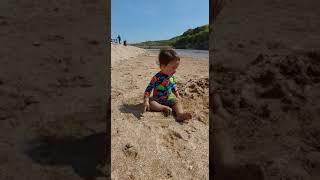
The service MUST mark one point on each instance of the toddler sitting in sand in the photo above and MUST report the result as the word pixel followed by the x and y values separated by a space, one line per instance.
pixel 165 94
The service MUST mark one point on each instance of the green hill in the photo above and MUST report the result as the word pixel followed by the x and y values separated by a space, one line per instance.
pixel 197 38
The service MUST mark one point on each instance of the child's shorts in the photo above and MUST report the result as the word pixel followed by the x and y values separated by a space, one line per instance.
pixel 165 102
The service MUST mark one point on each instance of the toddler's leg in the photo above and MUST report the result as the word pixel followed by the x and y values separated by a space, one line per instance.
pixel 181 116
pixel 155 106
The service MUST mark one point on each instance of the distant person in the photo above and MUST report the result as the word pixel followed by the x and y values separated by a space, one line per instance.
pixel 119 39
pixel 165 94
pixel 125 42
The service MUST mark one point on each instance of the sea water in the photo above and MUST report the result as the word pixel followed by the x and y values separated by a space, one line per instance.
pixel 192 53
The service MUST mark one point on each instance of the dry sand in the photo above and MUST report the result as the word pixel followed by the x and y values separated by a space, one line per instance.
pixel 120 52
pixel 265 72
pixel 153 146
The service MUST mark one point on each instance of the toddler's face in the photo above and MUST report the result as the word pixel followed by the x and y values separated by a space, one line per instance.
pixel 171 67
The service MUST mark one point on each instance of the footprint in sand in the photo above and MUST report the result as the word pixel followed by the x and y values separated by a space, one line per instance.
pixel 164 124
pixel 115 94
pixel 171 138
pixel 130 151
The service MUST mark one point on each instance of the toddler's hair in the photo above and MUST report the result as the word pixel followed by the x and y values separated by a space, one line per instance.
pixel 167 55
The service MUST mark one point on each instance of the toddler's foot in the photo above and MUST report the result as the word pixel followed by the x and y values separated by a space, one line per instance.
pixel 167 111
pixel 183 117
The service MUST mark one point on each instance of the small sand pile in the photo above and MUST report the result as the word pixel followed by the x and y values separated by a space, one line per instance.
pixel 120 52
pixel 196 90
pixel 270 78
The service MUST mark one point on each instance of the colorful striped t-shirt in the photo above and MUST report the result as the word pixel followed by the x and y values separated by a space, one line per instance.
pixel 163 87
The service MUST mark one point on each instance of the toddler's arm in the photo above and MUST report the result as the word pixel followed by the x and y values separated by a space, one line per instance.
pixel 147 93
pixel 175 91
pixel 150 87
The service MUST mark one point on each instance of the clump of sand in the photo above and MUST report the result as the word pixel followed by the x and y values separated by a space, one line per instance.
pixel 196 90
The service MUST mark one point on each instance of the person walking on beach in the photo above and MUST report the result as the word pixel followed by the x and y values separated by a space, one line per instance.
pixel 119 39
pixel 165 93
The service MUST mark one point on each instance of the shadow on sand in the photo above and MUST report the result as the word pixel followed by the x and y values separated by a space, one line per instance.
pixel 85 155
pixel 135 109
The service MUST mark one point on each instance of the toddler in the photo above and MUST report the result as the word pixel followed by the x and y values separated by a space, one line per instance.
pixel 165 94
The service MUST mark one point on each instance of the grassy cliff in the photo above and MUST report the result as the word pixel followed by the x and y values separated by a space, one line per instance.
pixel 197 38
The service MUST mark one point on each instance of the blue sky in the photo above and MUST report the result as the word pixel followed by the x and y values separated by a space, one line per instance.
pixel 142 20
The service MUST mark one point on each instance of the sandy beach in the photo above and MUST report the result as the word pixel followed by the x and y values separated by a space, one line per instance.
pixel 153 146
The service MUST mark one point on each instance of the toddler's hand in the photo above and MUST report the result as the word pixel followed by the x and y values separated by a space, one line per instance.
pixel 146 106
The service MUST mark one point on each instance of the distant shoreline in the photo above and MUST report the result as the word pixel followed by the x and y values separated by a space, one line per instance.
pixel 190 53
pixel 160 47
pixel 151 47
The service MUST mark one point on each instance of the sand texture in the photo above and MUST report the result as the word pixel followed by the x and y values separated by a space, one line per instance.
pixel 153 146
pixel 265 70
pixel 52 90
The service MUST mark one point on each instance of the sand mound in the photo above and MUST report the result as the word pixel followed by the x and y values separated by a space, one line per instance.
pixel 196 90
pixel 275 101
pixel 270 78
pixel 120 52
